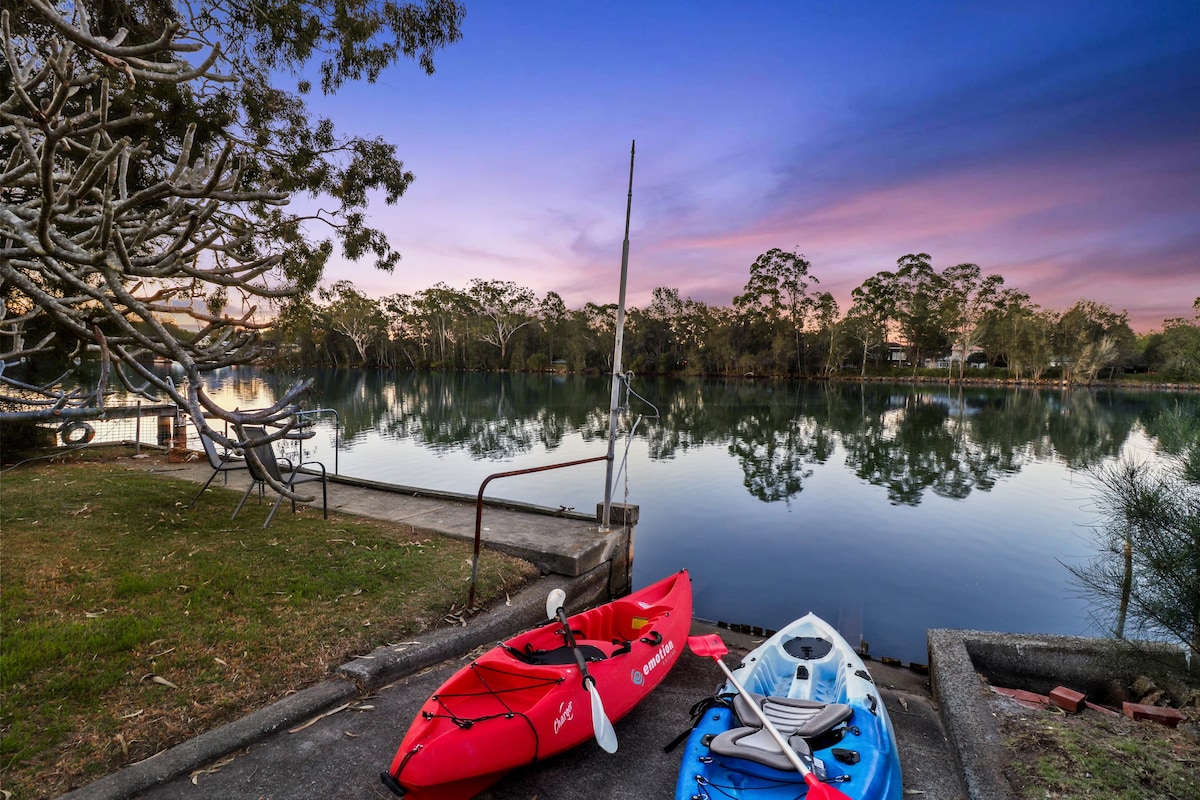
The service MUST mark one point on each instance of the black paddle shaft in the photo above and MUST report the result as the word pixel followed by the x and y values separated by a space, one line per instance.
pixel 579 659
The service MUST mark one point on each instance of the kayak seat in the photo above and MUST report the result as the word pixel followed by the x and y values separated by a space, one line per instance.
pixel 792 716
pixel 756 744
pixel 557 656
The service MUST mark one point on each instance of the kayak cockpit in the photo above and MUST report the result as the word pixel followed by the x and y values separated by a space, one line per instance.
pixel 807 719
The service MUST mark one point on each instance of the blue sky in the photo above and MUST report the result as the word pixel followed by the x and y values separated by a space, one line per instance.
pixel 1055 143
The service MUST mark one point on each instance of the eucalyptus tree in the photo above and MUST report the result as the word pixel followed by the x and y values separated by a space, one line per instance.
pixel 599 328
pixel 778 289
pixel 752 339
pixel 149 155
pixel 578 345
pixel 918 296
pixel 968 297
pixel 402 330
pixel 502 309
pixel 654 341
pixel 872 308
pixel 697 336
pixel 1091 336
pixel 998 328
pixel 1031 343
pixel 552 315
pixel 298 334
pixel 829 332
pixel 1175 351
pixel 355 316
pixel 706 337
pixel 440 312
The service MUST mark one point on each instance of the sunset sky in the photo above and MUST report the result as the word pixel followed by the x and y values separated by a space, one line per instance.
pixel 1054 143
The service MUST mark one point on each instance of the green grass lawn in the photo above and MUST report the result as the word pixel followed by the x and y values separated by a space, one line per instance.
pixel 129 622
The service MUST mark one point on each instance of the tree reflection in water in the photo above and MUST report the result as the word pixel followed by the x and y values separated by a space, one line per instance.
pixel 932 505
pixel 907 439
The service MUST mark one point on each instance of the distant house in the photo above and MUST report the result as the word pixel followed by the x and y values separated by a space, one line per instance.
pixel 956 355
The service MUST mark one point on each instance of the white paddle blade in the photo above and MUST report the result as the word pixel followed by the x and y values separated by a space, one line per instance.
pixel 606 737
pixel 554 602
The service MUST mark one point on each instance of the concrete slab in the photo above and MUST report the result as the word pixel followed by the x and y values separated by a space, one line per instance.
pixel 558 541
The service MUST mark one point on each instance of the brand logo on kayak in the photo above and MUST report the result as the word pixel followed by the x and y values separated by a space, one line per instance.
pixel 663 653
pixel 566 713
pixel 636 677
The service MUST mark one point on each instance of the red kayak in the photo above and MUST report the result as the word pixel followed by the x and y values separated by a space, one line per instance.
pixel 528 698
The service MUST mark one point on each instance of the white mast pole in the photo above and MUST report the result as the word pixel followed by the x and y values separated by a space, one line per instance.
pixel 606 517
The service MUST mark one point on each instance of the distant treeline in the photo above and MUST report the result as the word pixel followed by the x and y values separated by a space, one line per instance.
pixel 782 324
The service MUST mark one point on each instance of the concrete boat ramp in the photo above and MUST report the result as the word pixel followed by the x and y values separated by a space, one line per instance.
pixel 332 740
pixel 559 541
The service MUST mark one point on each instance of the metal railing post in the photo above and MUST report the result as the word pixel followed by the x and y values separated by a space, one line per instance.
pixel 479 509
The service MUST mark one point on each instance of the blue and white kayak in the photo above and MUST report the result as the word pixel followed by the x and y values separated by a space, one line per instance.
pixel 816 691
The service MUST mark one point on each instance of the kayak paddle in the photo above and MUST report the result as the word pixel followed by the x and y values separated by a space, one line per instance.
pixel 606 737
pixel 713 647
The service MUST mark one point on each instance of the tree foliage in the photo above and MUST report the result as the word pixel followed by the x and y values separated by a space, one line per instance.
pixel 778 292
pixel 149 158
pixel 1176 348
pixel 498 325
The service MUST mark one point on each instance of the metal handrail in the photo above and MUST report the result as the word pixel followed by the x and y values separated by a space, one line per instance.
pixel 337 429
pixel 479 508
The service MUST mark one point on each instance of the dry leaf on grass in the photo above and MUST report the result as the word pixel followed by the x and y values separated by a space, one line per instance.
pixel 159 679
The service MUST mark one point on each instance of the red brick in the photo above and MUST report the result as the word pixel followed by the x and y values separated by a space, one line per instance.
pixel 1023 697
pixel 1163 716
pixel 1102 709
pixel 1067 699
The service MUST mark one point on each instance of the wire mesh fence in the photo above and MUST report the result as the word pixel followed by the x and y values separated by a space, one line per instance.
pixel 167 426
pixel 141 423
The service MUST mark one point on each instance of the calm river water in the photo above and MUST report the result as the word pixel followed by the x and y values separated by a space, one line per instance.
pixel 886 509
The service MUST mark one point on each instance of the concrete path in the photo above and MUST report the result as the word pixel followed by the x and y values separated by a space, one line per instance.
pixel 561 541
pixel 339 757
pixel 332 740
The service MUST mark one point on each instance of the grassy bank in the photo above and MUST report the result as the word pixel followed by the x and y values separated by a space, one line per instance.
pixel 131 622
pixel 1054 755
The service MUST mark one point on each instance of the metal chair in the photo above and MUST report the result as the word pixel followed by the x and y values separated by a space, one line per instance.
pixel 222 463
pixel 289 476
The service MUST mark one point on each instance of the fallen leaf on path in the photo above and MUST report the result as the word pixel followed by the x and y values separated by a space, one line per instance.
pixel 213 769
pixel 319 717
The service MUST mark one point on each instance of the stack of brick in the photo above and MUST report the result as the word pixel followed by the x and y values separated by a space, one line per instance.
pixel 1073 702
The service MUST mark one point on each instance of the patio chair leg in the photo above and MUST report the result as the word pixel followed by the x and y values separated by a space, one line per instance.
pixel 205 487
pixel 242 502
pixel 275 508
